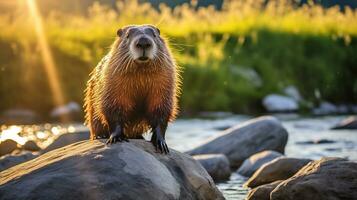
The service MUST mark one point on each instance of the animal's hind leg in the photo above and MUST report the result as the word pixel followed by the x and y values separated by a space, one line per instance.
pixel 98 130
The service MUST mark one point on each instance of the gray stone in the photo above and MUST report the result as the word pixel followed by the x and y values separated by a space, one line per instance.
pixel 92 170
pixel 348 123
pixel 318 141
pixel 262 192
pixel 278 169
pixel 31 146
pixel 12 160
pixel 325 108
pixel 217 165
pixel 327 179
pixel 7 146
pixel 280 103
pixel 254 162
pixel 343 109
pixel 241 141
pixel 221 128
pixel 70 110
pixel 67 139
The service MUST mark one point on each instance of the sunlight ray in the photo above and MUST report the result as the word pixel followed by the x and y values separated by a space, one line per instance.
pixel 48 61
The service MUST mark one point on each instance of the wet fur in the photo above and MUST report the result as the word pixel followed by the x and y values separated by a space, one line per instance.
pixel 136 94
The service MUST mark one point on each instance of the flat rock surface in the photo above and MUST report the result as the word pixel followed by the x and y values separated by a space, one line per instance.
pixel 92 170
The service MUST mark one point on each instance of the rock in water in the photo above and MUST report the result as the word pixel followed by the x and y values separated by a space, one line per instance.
pixel 217 165
pixel 280 103
pixel 31 146
pixel 92 170
pixel 246 139
pixel 327 179
pixel 71 111
pixel 317 141
pixel 348 123
pixel 325 108
pixel 278 169
pixel 7 146
pixel 66 139
pixel 252 164
pixel 262 192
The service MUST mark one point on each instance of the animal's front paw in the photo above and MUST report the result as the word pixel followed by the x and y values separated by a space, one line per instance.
pixel 115 137
pixel 160 144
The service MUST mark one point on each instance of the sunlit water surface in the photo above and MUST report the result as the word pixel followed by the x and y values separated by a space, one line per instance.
pixel 185 134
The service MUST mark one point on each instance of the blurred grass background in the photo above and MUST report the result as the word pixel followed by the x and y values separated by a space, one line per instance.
pixel 232 54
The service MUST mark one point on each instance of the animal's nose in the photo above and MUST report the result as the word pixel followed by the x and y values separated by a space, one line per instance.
pixel 143 43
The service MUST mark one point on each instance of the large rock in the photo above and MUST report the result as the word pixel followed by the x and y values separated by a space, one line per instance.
pixel 280 103
pixel 12 160
pixel 327 179
pixel 92 170
pixel 7 146
pixel 254 162
pixel 66 139
pixel 348 123
pixel 262 192
pixel 278 169
pixel 241 141
pixel 217 165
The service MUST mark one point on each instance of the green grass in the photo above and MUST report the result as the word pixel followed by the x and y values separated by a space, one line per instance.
pixel 230 58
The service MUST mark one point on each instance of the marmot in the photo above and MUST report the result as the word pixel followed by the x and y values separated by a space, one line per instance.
pixel 134 88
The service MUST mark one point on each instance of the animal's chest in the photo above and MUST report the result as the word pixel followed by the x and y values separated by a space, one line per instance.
pixel 138 87
pixel 136 90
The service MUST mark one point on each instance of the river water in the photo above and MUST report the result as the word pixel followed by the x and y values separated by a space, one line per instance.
pixel 185 134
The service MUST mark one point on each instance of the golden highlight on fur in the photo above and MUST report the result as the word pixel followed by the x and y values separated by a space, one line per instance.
pixel 135 93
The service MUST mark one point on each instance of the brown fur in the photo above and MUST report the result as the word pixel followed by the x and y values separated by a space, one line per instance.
pixel 121 89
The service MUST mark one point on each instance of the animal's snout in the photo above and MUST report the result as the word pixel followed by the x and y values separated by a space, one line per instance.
pixel 143 43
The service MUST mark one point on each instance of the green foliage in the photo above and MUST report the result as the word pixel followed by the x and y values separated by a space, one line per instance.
pixel 230 58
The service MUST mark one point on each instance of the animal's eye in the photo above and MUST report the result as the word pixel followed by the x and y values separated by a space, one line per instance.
pixel 152 32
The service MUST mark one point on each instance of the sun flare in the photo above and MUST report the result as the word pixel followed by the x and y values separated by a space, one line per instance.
pixel 12 133
pixel 48 61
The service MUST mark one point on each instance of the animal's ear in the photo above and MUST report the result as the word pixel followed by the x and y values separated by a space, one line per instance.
pixel 158 30
pixel 120 32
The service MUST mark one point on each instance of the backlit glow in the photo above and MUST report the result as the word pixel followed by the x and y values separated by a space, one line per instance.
pixel 47 58
pixel 12 133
